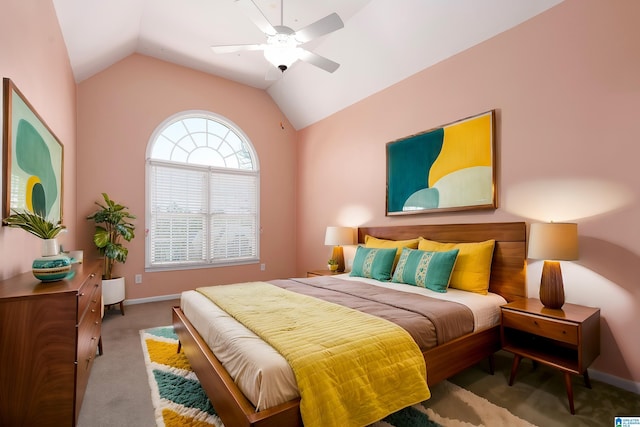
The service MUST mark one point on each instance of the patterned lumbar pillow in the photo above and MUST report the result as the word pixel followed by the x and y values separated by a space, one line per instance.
pixel 428 269
pixel 373 263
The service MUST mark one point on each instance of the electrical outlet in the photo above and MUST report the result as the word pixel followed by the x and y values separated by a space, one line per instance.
pixel 138 278
pixel 263 267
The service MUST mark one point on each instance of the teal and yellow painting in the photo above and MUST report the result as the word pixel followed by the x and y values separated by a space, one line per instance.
pixel 34 172
pixel 447 168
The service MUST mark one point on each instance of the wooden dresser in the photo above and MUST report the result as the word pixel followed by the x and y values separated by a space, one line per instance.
pixel 49 336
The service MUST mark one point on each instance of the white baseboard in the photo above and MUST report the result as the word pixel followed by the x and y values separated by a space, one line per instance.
pixel 151 299
pixel 615 381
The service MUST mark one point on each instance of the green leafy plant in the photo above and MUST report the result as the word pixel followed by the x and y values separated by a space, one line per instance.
pixel 112 225
pixel 333 264
pixel 34 223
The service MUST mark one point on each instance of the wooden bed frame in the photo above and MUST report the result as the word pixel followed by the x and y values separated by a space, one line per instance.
pixel 507 279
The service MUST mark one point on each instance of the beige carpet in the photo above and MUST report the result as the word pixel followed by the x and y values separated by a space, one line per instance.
pixel 538 395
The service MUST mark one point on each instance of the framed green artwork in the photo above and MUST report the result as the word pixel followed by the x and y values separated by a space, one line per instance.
pixel 32 159
pixel 449 168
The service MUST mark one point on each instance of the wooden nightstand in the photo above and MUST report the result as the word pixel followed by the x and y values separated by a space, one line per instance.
pixel 567 339
pixel 314 273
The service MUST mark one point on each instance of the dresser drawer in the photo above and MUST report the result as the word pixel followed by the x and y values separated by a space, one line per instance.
pixel 556 330
pixel 89 296
pixel 89 331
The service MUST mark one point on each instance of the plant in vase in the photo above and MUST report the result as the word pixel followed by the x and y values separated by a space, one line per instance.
pixel 52 265
pixel 112 225
pixel 332 264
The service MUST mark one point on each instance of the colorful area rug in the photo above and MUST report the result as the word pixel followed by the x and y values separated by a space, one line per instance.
pixel 179 400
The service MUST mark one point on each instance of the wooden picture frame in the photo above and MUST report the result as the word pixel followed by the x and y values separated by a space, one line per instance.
pixel 32 159
pixel 449 168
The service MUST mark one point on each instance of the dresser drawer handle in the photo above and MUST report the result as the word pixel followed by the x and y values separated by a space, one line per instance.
pixel 93 310
pixel 92 275
pixel 81 294
pixel 96 285
pixel 94 301
pixel 96 322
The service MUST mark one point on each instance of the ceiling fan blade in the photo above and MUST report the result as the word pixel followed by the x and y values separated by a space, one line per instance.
pixel 317 60
pixel 254 13
pixel 319 28
pixel 237 48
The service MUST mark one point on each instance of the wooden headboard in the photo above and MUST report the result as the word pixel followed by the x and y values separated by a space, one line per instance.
pixel 508 270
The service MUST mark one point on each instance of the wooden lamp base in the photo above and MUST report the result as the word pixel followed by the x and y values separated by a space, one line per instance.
pixel 551 286
pixel 338 255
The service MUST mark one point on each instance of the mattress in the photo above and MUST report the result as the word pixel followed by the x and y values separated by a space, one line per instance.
pixel 260 372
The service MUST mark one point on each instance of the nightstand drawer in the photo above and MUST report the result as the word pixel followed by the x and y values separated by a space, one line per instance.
pixel 556 330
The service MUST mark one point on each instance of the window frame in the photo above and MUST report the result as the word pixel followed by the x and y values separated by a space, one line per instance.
pixel 149 163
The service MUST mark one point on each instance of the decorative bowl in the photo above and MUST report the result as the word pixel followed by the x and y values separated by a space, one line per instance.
pixel 51 268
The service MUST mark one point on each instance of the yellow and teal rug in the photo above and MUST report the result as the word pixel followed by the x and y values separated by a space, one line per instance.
pixel 179 400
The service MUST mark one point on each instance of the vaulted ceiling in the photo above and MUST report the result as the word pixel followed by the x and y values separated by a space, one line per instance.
pixel 382 42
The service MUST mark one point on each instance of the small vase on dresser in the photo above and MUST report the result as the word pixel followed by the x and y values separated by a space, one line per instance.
pixel 52 265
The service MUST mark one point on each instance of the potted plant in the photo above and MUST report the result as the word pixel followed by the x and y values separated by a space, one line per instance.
pixel 34 223
pixel 112 225
pixel 52 265
pixel 332 264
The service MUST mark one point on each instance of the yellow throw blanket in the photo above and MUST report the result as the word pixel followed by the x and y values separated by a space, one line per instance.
pixel 352 368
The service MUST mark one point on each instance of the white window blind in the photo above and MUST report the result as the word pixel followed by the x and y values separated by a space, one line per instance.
pixel 199 212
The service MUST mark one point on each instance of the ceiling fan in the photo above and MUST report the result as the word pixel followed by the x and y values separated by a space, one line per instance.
pixel 283 43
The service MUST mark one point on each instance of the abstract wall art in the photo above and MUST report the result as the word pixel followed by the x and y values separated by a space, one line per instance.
pixel 32 159
pixel 450 168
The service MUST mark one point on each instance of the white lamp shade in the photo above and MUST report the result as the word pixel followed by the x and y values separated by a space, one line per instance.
pixel 553 241
pixel 337 236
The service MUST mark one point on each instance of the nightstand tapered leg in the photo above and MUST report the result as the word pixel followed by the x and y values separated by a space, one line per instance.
pixel 514 368
pixel 587 381
pixel 567 383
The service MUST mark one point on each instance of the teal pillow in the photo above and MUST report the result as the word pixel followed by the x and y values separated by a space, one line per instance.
pixel 373 263
pixel 431 270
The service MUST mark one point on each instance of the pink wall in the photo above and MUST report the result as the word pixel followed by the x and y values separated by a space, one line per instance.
pixel 566 89
pixel 119 109
pixel 34 57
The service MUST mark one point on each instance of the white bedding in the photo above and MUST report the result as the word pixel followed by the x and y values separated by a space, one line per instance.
pixel 485 308
pixel 260 372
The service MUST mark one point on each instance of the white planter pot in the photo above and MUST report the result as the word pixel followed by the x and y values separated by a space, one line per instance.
pixel 50 247
pixel 112 291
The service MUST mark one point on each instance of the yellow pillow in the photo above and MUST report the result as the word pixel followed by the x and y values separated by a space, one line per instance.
pixel 473 267
pixel 374 242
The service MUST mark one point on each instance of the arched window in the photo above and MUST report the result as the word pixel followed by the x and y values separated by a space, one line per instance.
pixel 202 194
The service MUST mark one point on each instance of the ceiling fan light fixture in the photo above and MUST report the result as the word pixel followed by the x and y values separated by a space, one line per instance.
pixel 282 47
pixel 281 50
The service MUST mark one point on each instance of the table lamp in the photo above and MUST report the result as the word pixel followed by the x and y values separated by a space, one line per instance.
pixel 553 242
pixel 336 237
